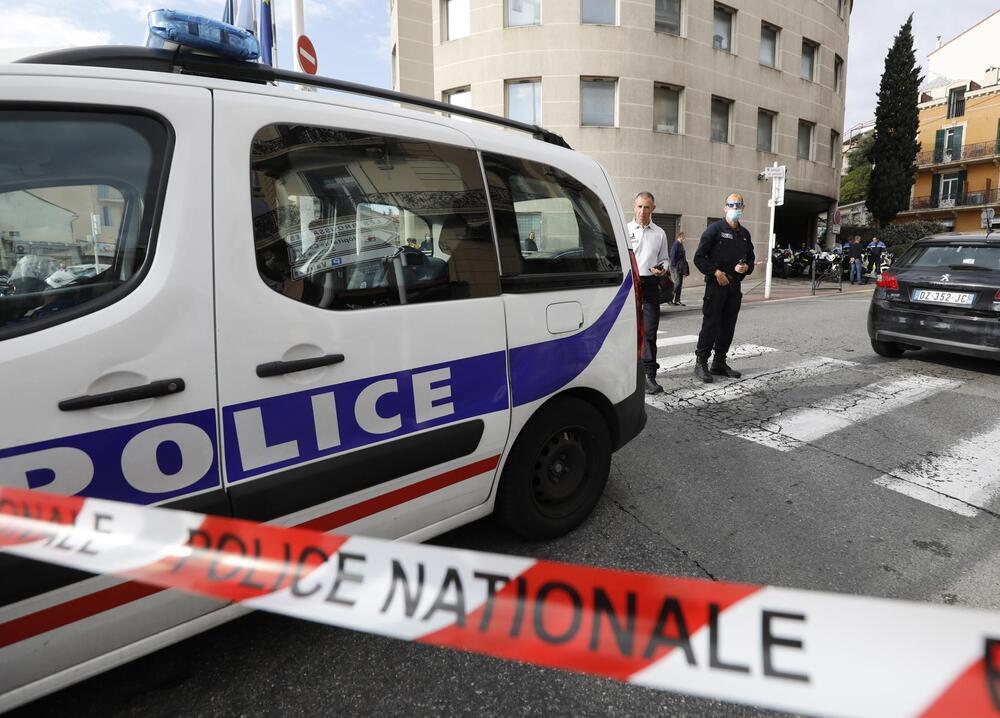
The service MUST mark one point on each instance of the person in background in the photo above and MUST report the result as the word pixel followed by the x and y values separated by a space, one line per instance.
pixel 649 244
pixel 427 246
pixel 725 256
pixel 530 245
pixel 855 251
pixel 679 268
pixel 876 248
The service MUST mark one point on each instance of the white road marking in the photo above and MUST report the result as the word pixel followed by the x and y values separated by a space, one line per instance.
pixel 788 430
pixel 962 479
pixel 726 390
pixel 677 341
pixel 743 351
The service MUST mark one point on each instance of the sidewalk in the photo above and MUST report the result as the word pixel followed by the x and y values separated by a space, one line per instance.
pixel 781 289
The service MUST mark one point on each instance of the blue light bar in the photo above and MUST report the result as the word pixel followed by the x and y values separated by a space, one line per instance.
pixel 201 33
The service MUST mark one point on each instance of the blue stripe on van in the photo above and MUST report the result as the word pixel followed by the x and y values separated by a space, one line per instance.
pixel 538 370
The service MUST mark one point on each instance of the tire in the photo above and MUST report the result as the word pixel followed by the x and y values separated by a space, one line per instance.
pixel 557 470
pixel 889 350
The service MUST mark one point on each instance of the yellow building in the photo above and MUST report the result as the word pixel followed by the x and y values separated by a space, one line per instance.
pixel 959 161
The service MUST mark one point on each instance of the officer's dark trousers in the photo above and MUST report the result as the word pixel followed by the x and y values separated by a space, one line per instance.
pixel 720 310
pixel 650 287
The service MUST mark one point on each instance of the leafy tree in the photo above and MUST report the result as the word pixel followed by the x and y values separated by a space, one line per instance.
pixel 854 185
pixel 897 121
pixel 899 237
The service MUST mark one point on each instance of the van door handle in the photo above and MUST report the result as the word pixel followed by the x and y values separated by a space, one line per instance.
pixel 277 368
pixel 152 390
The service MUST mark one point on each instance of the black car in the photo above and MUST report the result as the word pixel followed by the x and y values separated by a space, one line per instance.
pixel 944 294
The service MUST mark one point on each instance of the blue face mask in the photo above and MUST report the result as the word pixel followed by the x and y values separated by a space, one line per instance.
pixel 734 215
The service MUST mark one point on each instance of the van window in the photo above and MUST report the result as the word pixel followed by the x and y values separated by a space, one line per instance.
pixel 78 195
pixel 349 220
pixel 547 221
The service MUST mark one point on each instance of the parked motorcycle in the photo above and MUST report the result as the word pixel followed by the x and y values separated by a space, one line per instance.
pixel 801 263
pixel 782 260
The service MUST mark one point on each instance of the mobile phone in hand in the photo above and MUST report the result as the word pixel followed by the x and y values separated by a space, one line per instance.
pixel 658 268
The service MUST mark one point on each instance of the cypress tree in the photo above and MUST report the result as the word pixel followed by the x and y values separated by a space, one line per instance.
pixel 897 121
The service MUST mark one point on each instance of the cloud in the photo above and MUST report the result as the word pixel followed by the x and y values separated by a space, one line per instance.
pixel 38 27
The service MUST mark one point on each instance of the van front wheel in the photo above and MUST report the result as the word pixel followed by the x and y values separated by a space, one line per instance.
pixel 556 471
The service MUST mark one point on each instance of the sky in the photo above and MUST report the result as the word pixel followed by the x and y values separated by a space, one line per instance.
pixel 352 36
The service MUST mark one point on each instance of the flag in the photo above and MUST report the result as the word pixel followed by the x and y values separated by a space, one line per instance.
pixel 229 12
pixel 266 36
pixel 245 17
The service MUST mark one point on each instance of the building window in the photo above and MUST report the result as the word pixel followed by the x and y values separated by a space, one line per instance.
pixel 523 12
pixel 809 52
pixel 769 44
pixel 667 109
pixel 956 102
pixel 524 101
pixel 838 73
pixel 597 12
pixel 834 147
pixel 456 19
pixel 805 140
pixel 460 97
pixel 721 116
pixel 765 130
pixel 106 216
pixel 668 16
pixel 722 38
pixel 597 102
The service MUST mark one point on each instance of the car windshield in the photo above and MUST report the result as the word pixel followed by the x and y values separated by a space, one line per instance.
pixel 955 256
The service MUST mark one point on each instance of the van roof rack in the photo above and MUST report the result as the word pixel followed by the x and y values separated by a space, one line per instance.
pixel 130 57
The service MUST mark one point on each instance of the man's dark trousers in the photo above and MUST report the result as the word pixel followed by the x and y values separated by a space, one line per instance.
pixel 720 309
pixel 650 322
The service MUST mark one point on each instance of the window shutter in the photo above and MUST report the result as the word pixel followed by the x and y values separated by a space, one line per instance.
pixel 939 145
pixel 956 143
pixel 935 189
pixel 962 177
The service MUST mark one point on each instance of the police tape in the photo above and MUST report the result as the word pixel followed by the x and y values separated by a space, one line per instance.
pixel 794 650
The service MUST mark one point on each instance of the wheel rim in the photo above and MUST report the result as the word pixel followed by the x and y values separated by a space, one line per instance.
pixel 560 471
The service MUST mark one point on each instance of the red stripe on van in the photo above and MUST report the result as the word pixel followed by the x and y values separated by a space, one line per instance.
pixel 49 619
pixel 399 496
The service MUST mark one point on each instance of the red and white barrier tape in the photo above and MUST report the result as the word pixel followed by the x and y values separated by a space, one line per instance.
pixel 802 651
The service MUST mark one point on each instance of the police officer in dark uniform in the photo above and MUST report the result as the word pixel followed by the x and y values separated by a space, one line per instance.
pixel 725 255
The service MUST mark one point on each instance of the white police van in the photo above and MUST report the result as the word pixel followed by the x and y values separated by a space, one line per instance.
pixel 285 306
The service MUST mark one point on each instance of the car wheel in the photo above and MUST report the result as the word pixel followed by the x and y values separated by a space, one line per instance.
pixel 556 471
pixel 890 350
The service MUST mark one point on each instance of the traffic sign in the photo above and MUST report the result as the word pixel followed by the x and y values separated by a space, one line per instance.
pixel 778 190
pixel 306 54
pixel 774 172
pixel 837 217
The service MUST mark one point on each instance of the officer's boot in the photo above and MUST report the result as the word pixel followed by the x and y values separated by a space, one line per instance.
pixel 720 368
pixel 701 368
pixel 653 386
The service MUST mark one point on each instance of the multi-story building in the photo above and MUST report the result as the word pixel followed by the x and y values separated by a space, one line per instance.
pixel 688 99
pixel 959 162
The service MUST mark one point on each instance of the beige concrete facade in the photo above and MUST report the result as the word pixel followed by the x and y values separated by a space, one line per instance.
pixel 688 172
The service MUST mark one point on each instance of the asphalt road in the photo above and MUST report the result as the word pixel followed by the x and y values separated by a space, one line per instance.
pixel 841 471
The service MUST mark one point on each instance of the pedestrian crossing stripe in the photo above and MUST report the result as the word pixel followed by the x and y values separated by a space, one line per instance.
pixel 743 351
pixel 723 392
pixel 788 430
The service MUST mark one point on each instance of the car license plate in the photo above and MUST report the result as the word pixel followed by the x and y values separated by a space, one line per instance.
pixel 938 297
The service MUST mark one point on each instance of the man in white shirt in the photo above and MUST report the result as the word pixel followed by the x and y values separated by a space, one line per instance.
pixel 649 244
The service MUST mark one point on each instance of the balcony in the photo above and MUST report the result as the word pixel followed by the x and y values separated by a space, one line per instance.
pixel 963 200
pixel 977 152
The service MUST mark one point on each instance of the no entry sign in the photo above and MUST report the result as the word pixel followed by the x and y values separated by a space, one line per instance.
pixel 306 54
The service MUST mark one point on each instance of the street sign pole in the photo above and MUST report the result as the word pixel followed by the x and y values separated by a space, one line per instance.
pixel 777 176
